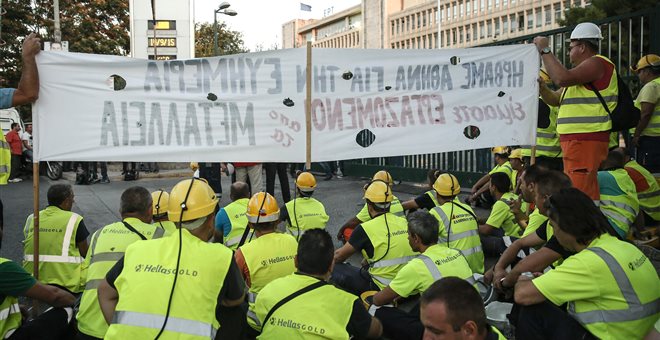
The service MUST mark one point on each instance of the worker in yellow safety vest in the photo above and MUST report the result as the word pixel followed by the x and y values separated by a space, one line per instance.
pixel 322 310
pixel 107 247
pixel 435 261
pixel 52 324
pixel 583 121
pixel 548 148
pixel 458 227
pixel 618 196
pixel 363 216
pixel 427 200
pixel 501 223
pixel 611 288
pixel 480 193
pixel 647 134
pixel 26 92
pixel 383 242
pixel 648 190
pixel 517 164
pixel 177 287
pixel 269 256
pixel 304 212
pixel 231 221
pixel 451 308
pixel 62 241
pixel 161 199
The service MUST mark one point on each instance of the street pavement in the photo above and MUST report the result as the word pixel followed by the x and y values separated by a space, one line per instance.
pixel 99 203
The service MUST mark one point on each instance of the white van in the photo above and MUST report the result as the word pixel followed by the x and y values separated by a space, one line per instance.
pixel 9 116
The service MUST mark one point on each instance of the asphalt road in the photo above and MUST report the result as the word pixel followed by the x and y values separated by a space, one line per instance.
pixel 99 203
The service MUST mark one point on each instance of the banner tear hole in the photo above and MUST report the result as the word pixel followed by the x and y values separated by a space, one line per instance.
pixel 501 94
pixel 348 75
pixel 365 138
pixel 212 97
pixel 455 60
pixel 471 132
pixel 116 82
pixel 388 88
pixel 288 102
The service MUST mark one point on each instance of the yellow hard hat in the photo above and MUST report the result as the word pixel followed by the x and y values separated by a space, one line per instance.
pixel 543 74
pixel 160 199
pixel 378 191
pixel 191 199
pixel 646 61
pixel 384 176
pixel 517 154
pixel 306 182
pixel 447 185
pixel 262 207
pixel 194 166
pixel 500 150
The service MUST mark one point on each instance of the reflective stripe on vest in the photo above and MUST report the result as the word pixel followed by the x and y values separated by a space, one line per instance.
pixel 252 316
pixel 4 314
pixel 453 236
pixel 93 284
pixel 589 100
pixel 234 241
pixel 4 145
pixel 649 194
pixel 252 297
pixel 548 148
pixel 430 265
pixel 155 321
pixel 64 258
pixel 382 280
pixel 470 251
pixel 392 262
pixel 653 127
pixel 616 216
pixel 586 119
pixel 636 309
pixel 545 135
pixel 114 256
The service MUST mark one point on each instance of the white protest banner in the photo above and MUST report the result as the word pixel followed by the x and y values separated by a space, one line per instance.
pixel 250 107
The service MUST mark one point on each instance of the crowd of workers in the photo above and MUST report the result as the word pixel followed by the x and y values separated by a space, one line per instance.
pixel 561 218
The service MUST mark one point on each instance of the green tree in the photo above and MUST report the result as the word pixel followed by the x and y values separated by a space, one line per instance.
pixel 12 31
pixel 600 9
pixel 229 42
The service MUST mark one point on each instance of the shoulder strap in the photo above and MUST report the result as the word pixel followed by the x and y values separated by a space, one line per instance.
pixel 290 297
pixel 602 101
pixel 129 227
pixel 464 209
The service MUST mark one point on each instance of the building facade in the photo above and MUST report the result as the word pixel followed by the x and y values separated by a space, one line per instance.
pixel 430 24
pixel 171 36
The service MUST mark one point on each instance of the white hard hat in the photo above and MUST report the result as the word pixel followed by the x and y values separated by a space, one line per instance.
pixel 586 30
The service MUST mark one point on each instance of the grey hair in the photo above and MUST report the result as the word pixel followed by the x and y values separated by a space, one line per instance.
pixel 424 225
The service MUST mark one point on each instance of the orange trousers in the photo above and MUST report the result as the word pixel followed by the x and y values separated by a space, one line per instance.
pixel 581 161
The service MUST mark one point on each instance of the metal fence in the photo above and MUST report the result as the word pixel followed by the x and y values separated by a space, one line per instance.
pixel 626 39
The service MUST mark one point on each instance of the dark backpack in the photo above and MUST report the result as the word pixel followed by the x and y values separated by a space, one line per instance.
pixel 625 115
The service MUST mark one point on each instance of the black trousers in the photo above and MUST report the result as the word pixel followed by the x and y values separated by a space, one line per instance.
pixel 53 324
pixel 278 169
pixel 15 166
pixel 546 321
pixel 398 324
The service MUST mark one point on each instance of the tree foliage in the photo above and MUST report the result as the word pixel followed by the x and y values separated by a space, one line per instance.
pixel 229 42
pixel 600 9
pixel 18 12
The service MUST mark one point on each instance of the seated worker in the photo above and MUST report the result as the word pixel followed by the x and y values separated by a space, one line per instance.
pixel 461 231
pixel 515 159
pixel 176 286
pixel 230 221
pixel 304 212
pixel 611 288
pixel 426 200
pixel 618 196
pixel 434 262
pixel 52 324
pixel 548 250
pixel 363 216
pixel 648 190
pixel 161 199
pixel 324 310
pixel 62 241
pixel 501 223
pixel 383 242
pixel 452 309
pixel 480 194
pixel 107 247
pixel 527 188
pixel 269 256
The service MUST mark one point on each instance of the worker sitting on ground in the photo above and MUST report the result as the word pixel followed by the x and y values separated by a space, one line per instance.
pixel 107 247
pixel 161 199
pixel 62 241
pixel 434 262
pixel 458 228
pixel 177 286
pixel 52 324
pixel 304 212
pixel 230 222
pixel 426 200
pixel 618 196
pixel 648 190
pixel 501 223
pixel 480 194
pixel 325 311
pixel 363 216
pixel 548 250
pixel 518 166
pixel 269 256
pixel 452 309
pixel 383 242
pixel 611 288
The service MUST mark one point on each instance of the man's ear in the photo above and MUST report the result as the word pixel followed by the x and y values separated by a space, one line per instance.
pixel 470 329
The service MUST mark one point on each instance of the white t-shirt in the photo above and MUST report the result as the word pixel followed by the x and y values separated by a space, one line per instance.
pixel 28 137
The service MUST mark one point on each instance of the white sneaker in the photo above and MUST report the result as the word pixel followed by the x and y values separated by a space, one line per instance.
pixel 15 180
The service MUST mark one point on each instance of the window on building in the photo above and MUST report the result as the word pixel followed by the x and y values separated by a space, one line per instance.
pixel 448 12
pixel 505 3
pixel 467 7
pixel 521 21
pixel 482 5
pixel 474 31
pixel 530 19
pixel 467 34
pixel 548 15
pixel 557 8
pixel 538 17
pixel 419 42
pixel 474 6
pixel 453 36
pixel 489 30
pixel 454 10
pixel 392 28
pixel 490 5
pixel 419 20
pixel 482 30
pixel 424 17
pixel 461 9
pixel 408 24
pixel 497 4
pixel 567 4
pixel 505 24
pixel 460 35
pixel 497 27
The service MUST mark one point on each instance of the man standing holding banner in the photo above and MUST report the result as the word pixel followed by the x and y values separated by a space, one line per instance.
pixel 583 123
